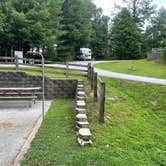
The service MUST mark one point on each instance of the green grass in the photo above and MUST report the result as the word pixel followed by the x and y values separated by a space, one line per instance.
pixel 134 133
pixel 49 72
pixel 142 68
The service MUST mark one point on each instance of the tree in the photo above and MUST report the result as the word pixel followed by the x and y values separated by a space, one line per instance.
pixel 76 26
pixel 155 36
pixel 141 10
pixel 6 39
pixel 100 25
pixel 29 23
pixel 125 36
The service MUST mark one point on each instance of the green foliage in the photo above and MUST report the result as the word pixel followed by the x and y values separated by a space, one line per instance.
pixel 155 36
pixel 100 34
pixel 76 26
pixel 141 10
pixel 30 23
pixel 125 37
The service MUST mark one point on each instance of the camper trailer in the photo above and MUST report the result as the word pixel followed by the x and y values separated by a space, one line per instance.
pixel 85 54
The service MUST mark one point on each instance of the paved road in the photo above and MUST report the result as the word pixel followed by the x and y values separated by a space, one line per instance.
pixel 15 126
pixel 115 74
pixel 131 77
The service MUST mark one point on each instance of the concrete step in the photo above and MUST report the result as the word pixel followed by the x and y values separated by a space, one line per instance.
pixel 81 104
pixel 83 142
pixel 82 124
pixel 80 93
pixel 80 97
pixel 80 86
pixel 85 134
pixel 80 82
pixel 81 117
pixel 80 111
pixel 80 89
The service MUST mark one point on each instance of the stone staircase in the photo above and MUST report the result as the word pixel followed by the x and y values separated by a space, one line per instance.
pixel 82 125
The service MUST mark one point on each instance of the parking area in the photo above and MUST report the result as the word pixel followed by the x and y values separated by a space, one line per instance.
pixel 16 124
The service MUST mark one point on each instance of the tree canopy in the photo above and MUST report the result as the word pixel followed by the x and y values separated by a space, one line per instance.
pixel 125 37
pixel 74 24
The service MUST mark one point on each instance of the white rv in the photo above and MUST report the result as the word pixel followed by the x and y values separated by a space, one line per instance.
pixel 85 54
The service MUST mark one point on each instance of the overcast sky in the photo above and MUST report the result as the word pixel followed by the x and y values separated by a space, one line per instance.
pixel 108 5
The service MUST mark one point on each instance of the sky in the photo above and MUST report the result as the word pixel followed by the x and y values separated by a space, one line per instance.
pixel 108 5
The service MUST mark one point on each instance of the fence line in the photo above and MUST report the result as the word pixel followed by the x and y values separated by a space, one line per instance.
pixel 98 87
pixel 35 63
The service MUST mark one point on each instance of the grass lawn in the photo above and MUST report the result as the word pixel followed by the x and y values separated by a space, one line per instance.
pixel 49 72
pixel 134 133
pixel 142 68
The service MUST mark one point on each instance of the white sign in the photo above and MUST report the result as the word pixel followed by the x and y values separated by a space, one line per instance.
pixel 19 54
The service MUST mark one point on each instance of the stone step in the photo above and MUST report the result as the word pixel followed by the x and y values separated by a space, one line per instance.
pixel 82 124
pixel 83 142
pixel 80 97
pixel 80 93
pixel 81 117
pixel 80 111
pixel 80 89
pixel 80 81
pixel 80 104
pixel 80 86
pixel 85 134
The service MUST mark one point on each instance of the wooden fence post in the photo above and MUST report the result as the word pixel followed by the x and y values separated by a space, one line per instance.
pixel 16 63
pixel 95 86
pixel 91 79
pixel 102 103
pixel 89 71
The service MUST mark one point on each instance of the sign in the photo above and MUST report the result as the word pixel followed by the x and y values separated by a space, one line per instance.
pixel 19 54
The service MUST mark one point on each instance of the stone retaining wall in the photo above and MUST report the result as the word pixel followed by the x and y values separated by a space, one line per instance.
pixel 54 88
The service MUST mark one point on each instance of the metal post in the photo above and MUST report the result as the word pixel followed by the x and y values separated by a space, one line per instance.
pixel 43 79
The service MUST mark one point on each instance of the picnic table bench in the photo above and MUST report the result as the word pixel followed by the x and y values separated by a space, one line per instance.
pixel 15 93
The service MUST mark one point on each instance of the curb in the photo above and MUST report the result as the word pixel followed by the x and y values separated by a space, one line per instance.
pixel 27 143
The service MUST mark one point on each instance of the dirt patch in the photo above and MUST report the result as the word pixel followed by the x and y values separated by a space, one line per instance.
pixel 6 125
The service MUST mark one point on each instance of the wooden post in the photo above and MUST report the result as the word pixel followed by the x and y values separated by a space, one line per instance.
pixel 95 86
pixel 91 79
pixel 102 103
pixel 89 71
pixel 67 69
pixel 16 63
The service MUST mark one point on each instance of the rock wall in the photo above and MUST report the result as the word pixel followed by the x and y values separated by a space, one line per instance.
pixel 54 88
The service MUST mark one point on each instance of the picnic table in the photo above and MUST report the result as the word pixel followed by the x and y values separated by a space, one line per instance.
pixel 13 93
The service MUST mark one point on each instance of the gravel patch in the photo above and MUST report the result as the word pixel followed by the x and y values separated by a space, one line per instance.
pixel 15 126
